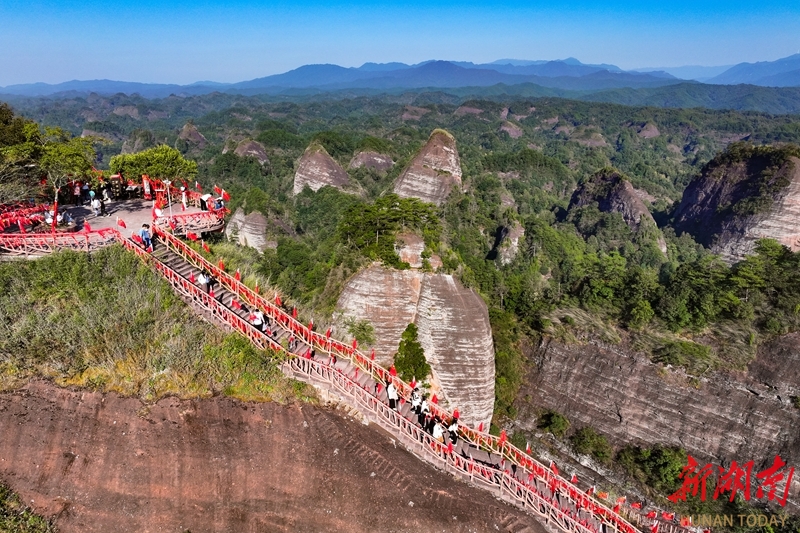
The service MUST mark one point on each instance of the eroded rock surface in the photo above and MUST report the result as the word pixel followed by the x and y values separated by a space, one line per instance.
pixel 379 162
pixel 248 230
pixel 510 246
pixel 721 418
pixel 317 169
pixel 615 194
pixel 742 196
pixel 453 325
pixel 253 149
pixel 102 463
pixel 191 135
pixel 433 172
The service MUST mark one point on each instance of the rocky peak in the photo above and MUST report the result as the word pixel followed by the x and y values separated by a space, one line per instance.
pixel 253 149
pixel 192 136
pixel 613 193
pixel 744 194
pixel 316 169
pixel 373 160
pixel 453 325
pixel 249 230
pixel 434 171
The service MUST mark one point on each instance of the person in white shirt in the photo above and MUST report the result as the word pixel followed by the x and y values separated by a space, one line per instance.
pixel 391 392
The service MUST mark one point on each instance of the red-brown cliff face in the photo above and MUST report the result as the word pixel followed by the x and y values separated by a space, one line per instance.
pixel 192 136
pixel 98 463
pixel 373 160
pixel 252 149
pixel 317 169
pixel 744 194
pixel 434 172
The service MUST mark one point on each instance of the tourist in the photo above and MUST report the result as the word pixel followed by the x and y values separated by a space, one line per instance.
pixel 422 413
pixel 144 233
pixel 85 193
pixel 204 201
pixel 437 430
pixel 183 198
pixel 95 203
pixel 416 400
pixel 452 429
pixel 258 320
pixel 103 211
pixel 391 392
pixel 76 194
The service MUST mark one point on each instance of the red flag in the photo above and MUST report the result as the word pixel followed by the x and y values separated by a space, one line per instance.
pixel 667 516
pixel 211 292
pixel 191 277
pixel 686 521
pixel 636 505
pixel 450 447
pixel 616 508
pixel 235 304
pixel 456 414
pixel 86 227
pixel 191 236
pixel 621 499
pixel 197 186
pixel 651 515
pixel 183 207
pixel 328 333
pixel 221 265
pixel 654 528
pixel 206 248
pixel 311 324
pixel 574 479
pixel 528 448
pixel 237 276
pixel 226 196
pixel 371 353
pixel 590 490
pixel 480 427
pixel 434 399
pixel 255 289
pixel 22 228
pixel 217 190
pixel 413 382
pixel 277 300
pixel 602 495
pixel 553 467
pixel 393 372
pixel 172 224
pixel 355 344
pixel 186 185
pixel 294 312
pixel 150 248
pixel 503 436
pixel 121 223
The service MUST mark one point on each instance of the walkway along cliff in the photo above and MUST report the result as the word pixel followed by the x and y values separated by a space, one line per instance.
pixel 354 379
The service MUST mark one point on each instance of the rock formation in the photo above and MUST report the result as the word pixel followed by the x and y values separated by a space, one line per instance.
pixel 433 172
pixel 250 230
pixel 316 169
pixel 453 327
pixel 253 149
pixel 139 140
pixel 613 193
pixel 378 162
pixel 648 131
pixel 724 416
pixel 510 244
pixel 192 136
pixel 744 194
pixel 514 131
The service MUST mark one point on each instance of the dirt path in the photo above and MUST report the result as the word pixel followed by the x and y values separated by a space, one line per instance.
pixel 107 464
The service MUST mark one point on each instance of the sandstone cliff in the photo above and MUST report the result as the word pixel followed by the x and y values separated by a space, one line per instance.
pixel 720 418
pixel 613 193
pixel 434 172
pixel 316 169
pixel 250 230
pixel 453 327
pixel 192 136
pixel 744 194
pixel 378 162
pixel 253 149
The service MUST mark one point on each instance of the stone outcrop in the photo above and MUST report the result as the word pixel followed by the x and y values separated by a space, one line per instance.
pixel 138 141
pixel 434 172
pixel 509 247
pixel 722 417
pixel 453 325
pixel 373 160
pixel 514 131
pixel 744 194
pixel 248 230
pixel 252 149
pixel 192 136
pixel 317 169
pixel 648 131
pixel 613 193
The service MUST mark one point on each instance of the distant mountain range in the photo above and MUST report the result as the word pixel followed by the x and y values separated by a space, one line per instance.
pixel 561 75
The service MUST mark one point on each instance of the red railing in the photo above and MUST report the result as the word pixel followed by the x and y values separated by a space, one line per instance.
pixel 22 244
pixel 483 440
pixel 192 222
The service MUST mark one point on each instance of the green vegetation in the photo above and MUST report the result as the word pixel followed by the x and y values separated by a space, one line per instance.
pixel 16 518
pixel 553 422
pixel 159 162
pixel 588 442
pixel 361 330
pixel 409 361
pixel 657 467
pixel 105 321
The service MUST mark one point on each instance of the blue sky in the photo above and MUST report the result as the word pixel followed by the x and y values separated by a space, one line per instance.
pixel 186 41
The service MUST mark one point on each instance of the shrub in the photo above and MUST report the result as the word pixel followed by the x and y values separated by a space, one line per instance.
pixel 409 361
pixel 587 441
pixel 554 422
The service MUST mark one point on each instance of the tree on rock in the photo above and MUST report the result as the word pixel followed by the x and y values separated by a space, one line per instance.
pixel 409 361
pixel 162 162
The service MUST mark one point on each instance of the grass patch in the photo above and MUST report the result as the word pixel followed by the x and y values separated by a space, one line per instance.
pixel 16 518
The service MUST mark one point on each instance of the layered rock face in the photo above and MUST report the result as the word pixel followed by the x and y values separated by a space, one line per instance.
pixel 510 246
pixel 372 160
pixel 252 149
pixel 316 169
pixel 615 194
pixel 250 230
pixel 434 171
pixel 453 325
pixel 743 195
pixel 623 395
